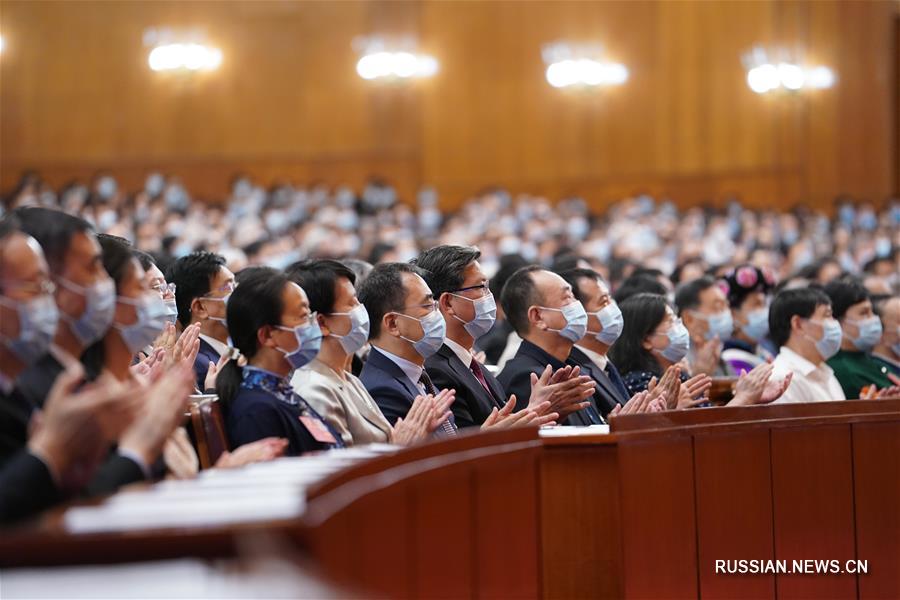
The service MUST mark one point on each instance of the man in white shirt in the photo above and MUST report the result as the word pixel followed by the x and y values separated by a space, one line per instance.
pixel 801 324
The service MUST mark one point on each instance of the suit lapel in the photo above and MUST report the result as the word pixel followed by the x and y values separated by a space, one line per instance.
pixel 466 375
pixel 596 373
pixel 393 370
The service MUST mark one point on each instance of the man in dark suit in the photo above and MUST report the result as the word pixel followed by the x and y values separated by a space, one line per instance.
pixel 603 328
pixel 467 304
pixel 202 286
pixel 542 309
pixel 405 328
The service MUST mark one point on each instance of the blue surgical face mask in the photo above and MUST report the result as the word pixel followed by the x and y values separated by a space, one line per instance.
pixel 869 335
pixel 223 300
pixel 434 329
pixel 37 326
pixel 100 305
pixel 151 320
pixel 309 340
pixel 485 315
pixel 356 338
pixel 757 326
pixel 720 324
pixel 171 310
pixel 576 321
pixel 679 343
pixel 612 323
pixel 830 342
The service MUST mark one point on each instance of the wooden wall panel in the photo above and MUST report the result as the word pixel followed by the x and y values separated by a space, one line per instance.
pixel 76 96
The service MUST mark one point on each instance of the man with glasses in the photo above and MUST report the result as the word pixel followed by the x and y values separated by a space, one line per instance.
pixel 455 277
pixel 156 281
pixel 202 286
pixel 405 328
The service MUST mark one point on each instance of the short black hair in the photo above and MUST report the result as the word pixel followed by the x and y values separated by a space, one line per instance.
pixel 117 253
pixel 844 293
pixel 573 276
pixel 509 264
pixel 642 314
pixel 444 267
pixel 639 284
pixel 687 296
pixel 144 258
pixel 53 230
pixel 383 292
pixel 192 276
pixel 801 302
pixel 518 295
pixel 318 278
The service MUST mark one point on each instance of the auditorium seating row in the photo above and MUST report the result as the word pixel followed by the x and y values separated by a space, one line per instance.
pixel 644 510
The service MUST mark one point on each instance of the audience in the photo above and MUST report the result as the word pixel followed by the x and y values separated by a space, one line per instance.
pixel 325 382
pixel 853 364
pixel 704 310
pixel 807 334
pixel 887 350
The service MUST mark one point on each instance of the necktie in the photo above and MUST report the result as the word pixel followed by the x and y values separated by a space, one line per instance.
pixel 448 428
pixel 479 375
pixel 617 381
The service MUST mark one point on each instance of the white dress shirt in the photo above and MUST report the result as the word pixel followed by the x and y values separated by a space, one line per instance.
pixel 461 353
pixel 811 383
pixel 601 360
pixel 410 369
pixel 220 348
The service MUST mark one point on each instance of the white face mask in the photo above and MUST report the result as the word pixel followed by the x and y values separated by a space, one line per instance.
pixel 485 315
pixel 433 332
pixel 576 321
pixel 152 317
pixel 612 323
pixel 358 334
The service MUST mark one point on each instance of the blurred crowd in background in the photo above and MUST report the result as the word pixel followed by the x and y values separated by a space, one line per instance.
pixel 282 224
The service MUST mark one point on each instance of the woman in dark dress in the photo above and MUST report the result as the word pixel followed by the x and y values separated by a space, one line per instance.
pixel 270 323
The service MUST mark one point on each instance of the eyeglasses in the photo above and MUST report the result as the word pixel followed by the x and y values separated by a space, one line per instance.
pixel 44 286
pixel 431 306
pixel 482 287
pixel 164 289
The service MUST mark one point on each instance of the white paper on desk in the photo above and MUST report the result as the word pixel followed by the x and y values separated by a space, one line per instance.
pixel 569 431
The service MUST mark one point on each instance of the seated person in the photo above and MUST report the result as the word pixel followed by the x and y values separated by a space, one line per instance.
pixel 853 364
pixel 405 328
pixel 887 350
pixel 748 290
pixel 802 326
pixel 326 382
pixel 604 325
pixel 543 310
pixel 270 322
pixel 157 282
pixel 202 286
pixel 652 340
pixel 704 310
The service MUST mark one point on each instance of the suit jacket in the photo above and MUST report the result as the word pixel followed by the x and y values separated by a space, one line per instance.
pixel 205 355
pixel 388 385
pixel 493 343
pixel 473 403
pixel 15 413
pixel 34 383
pixel 516 379
pixel 255 414
pixel 26 487
pixel 607 393
pixel 345 405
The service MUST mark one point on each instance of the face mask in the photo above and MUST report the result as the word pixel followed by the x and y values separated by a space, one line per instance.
pixel 611 321
pixel 100 305
pixel 223 300
pixel 356 338
pixel 720 324
pixel 37 326
pixel 309 340
pixel 434 329
pixel 171 310
pixel 830 342
pixel 485 314
pixel 151 320
pixel 869 333
pixel 757 326
pixel 679 343
pixel 576 321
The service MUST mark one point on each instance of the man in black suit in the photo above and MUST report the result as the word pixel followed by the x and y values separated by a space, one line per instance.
pixel 542 309
pixel 202 286
pixel 405 328
pixel 604 325
pixel 467 305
